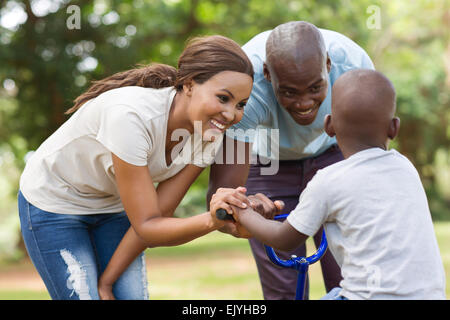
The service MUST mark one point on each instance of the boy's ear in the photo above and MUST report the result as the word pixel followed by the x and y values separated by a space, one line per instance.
pixel 266 72
pixel 328 126
pixel 394 128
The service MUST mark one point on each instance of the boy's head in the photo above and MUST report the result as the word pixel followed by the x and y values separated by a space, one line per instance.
pixel 363 111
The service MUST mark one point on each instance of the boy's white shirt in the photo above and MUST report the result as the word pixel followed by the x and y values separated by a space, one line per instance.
pixel 378 225
pixel 72 171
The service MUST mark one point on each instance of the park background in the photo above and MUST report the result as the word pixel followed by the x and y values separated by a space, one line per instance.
pixel 48 57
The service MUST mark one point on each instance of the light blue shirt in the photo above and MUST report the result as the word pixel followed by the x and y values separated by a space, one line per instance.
pixel 263 112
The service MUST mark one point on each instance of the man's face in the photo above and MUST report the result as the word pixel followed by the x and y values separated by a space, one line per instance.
pixel 300 88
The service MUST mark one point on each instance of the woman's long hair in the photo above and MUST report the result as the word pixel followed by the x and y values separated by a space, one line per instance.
pixel 202 58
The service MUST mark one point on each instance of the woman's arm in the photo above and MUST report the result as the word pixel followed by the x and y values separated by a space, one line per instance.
pixel 140 200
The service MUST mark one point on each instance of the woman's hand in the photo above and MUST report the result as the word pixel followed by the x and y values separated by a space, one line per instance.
pixel 224 198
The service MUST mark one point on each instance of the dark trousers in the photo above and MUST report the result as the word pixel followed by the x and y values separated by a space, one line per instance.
pixel 287 185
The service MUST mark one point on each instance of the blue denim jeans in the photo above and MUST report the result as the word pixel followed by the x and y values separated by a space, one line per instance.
pixel 71 251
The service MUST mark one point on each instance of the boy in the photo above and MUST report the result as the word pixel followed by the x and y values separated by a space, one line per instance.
pixel 372 204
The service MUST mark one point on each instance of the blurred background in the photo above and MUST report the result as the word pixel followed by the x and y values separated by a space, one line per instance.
pixel 50 50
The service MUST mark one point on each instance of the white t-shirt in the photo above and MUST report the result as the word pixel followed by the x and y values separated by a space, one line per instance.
pixel 72 171
pixel 378 226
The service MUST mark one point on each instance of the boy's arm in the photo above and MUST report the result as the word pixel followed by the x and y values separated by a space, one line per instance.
pixel 279 235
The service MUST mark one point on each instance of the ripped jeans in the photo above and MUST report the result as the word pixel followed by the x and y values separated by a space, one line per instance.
pixel 71 251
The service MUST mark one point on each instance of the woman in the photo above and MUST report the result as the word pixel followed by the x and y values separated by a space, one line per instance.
pixel 90 185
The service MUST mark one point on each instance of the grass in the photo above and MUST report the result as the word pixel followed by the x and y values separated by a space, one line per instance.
pixel 217 267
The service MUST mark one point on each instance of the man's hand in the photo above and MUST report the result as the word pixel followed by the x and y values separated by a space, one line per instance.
pixel 264 206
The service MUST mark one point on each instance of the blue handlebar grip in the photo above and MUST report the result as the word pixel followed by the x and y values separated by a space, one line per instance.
pixel 222 214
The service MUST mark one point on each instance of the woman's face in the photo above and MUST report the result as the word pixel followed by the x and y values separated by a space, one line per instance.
pixel 218 103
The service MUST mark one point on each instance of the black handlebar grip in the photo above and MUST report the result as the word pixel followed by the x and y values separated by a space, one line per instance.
pixel 222 214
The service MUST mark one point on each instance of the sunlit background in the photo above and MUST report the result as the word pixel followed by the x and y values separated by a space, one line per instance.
pixel 48 57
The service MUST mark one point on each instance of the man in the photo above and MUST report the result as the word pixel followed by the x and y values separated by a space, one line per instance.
pixel 295 66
